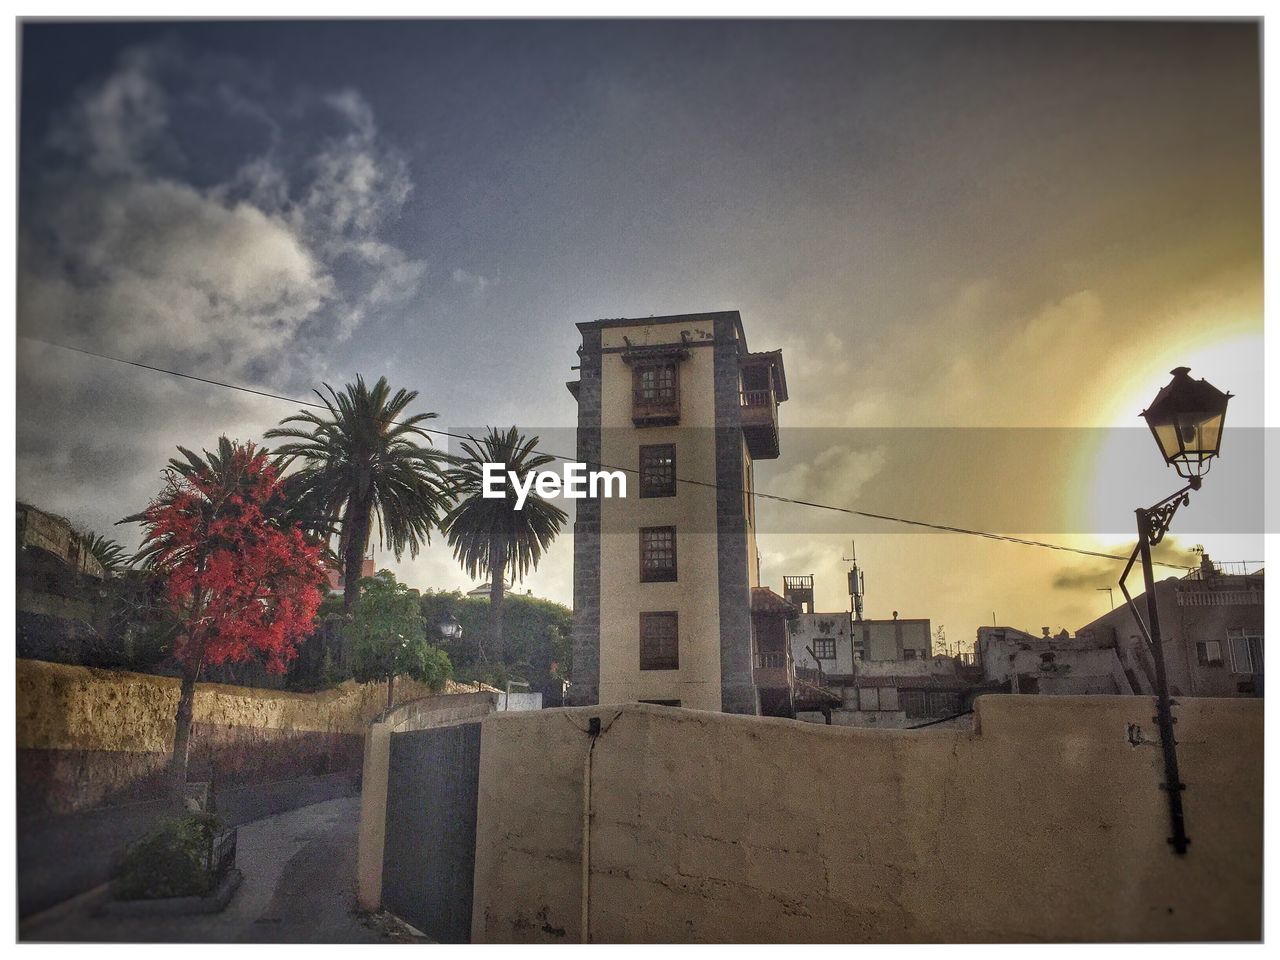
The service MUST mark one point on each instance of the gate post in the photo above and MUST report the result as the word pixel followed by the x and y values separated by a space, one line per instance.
pixel 373 816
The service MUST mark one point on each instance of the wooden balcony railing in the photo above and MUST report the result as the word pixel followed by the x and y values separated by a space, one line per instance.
pixel 771 661
pixel 653 407
pixel 760 422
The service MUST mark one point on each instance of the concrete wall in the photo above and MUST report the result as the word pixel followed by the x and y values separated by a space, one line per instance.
pixel 519 701
pixel 1044 822
pixel 90 737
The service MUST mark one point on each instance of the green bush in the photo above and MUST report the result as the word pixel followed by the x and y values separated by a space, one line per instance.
pixel 170 861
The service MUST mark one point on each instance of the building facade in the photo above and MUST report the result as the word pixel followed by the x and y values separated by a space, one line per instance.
pixel 859 672
pixel 1211 626
pixel 663 576
pixel 1019 662
pixel 838 641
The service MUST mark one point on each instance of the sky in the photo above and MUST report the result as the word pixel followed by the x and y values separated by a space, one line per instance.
pixel 980 246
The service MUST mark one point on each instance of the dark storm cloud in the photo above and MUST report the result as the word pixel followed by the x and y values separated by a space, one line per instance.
pixel 1171 557
pixel 941 224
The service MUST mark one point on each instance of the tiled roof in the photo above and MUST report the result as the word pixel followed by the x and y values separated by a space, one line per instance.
pixel 764 600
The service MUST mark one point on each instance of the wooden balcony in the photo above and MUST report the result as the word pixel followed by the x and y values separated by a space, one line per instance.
pixel 760 423
pixel 648 410
pixel 772 671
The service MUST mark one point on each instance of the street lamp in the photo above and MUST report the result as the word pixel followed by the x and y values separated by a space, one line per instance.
pixel 1186 419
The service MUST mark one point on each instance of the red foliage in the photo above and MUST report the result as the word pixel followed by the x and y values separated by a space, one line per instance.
pixel 242 584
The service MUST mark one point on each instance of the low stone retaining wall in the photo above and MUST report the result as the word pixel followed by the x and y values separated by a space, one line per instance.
pixel 89 737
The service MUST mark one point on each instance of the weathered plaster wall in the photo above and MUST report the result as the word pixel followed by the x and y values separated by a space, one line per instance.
pixel 1051 665
pixel 1045 822
pixel 88 737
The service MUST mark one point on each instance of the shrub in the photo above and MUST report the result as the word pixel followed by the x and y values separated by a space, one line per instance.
pixel 170 861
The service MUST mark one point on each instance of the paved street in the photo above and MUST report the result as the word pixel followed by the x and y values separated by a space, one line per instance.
pixel 299 886
pixel 62 856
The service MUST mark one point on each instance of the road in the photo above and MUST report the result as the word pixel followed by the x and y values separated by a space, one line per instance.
pixel 65 855
pixel 299 887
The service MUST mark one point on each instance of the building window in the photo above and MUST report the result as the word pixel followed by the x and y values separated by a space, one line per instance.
pixel 656 383
pixel 824 649
pixel 656 397
pixel 658 470
pixel 1209 653
pixel 1246 651
pixel 659 641
pixel 657 554
pixel 908 654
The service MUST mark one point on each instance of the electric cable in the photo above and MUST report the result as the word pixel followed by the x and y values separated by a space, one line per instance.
pixel 777 498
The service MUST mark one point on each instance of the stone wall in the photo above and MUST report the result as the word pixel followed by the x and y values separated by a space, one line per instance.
pixel 89 737
pixel 1044 822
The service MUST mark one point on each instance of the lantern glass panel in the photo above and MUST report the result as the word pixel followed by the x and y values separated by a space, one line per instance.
pixel 1167 437
pixel 1211 433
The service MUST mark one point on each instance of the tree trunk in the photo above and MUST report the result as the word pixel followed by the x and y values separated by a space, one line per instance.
pixel 497 567
pixel 356 525
pixel 182 733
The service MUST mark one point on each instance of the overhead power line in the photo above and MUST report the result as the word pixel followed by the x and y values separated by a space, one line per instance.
pixel 777 498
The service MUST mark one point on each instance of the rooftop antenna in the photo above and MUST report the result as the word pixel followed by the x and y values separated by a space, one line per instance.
pixel 857 585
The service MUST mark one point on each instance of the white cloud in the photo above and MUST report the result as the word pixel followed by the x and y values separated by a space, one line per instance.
pixel 250 275
pixel 120 253
pixel 476 283
pixel 157 270
pixel 357 182
pixel 836 475
pixel 113 125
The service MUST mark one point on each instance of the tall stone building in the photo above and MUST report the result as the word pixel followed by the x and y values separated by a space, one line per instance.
pixel 663 577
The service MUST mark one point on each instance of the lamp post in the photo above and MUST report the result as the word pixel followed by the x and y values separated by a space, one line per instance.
pixel 1186 420
pixel 450 628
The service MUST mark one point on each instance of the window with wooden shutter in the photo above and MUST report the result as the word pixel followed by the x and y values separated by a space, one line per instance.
pixel 656 393
pixel 657 554
pixel 658 470
pixel 660 641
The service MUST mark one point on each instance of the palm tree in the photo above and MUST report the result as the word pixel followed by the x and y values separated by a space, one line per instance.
pixel 227 468
pixel 361 463
pixel 109 553
pixel 490 534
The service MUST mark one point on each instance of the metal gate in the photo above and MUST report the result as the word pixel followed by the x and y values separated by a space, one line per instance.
pixel 429 861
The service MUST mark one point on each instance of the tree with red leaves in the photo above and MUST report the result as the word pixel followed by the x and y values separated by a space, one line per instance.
pixel 239 578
